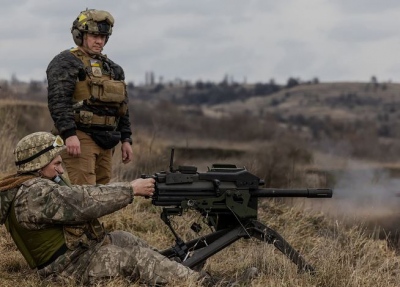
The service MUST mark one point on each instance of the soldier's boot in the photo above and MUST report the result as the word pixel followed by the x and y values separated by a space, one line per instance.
pixel 208 281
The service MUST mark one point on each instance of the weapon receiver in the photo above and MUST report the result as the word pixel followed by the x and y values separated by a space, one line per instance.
pixel 227 198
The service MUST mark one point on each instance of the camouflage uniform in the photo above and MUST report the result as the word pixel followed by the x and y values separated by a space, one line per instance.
pixel 41 203
pixel 87 97
pixel 55 225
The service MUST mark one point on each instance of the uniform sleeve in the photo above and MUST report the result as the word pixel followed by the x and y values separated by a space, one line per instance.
pixel 46 203
pixel 124 124
pixel 62 74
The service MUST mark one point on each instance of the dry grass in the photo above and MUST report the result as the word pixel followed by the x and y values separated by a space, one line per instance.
pixel 343 254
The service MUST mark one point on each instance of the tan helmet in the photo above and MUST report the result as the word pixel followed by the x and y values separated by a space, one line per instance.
pixel 37 150
pixel 94 22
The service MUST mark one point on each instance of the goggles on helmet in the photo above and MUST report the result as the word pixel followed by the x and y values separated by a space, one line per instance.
pixel 103 27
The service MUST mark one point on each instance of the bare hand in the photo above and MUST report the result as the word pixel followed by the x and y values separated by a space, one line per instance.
pixel 143 186
pixel 126 152
pixel 73 146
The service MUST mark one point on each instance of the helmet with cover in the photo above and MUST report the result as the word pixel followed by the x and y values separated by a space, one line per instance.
pixel 37 150
pixel 94 22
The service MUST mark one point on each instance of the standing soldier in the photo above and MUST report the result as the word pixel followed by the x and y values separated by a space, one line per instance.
pixel 87 99
pixel 56 228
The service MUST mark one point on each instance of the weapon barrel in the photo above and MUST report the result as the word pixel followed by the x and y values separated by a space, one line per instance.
pixel 308 192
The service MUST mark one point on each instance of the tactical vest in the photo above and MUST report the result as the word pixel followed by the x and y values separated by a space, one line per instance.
pixel 39 246
pixel 100 89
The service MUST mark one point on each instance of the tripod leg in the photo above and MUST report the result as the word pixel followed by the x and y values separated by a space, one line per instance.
pixel 266 234
pixel 195 244
pixel 212 244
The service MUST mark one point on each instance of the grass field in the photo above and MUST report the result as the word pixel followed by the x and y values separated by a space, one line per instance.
pixel 344 247
pixel 342 255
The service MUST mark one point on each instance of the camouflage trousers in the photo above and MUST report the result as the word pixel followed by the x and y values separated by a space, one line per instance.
pixel 125 256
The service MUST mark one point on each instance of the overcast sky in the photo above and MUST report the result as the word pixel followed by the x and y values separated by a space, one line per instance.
pixel 256 40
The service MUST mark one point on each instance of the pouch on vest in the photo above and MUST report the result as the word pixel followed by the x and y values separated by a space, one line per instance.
pixel 75 236
pixel 96 230
pixel 108 91
pixel 82 91
pixel 106 139
pixel 85 117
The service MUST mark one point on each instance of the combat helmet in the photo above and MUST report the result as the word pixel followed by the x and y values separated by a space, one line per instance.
pixel 92 21
pixel 37 150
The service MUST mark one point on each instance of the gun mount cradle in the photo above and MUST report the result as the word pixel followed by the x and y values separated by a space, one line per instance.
pixel 227 198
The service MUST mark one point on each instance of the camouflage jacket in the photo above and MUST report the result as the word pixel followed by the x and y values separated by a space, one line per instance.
pixel 40 203
pixel 62 74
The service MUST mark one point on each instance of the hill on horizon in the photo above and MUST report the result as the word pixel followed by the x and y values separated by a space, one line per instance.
pixel 356 112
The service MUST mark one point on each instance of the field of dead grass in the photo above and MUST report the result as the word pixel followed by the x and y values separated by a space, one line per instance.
pixel 343 254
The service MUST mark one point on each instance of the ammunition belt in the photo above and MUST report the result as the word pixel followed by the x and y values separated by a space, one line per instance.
pixel 109 121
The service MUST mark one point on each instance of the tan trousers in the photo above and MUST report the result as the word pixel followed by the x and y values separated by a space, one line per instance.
pixel 93 166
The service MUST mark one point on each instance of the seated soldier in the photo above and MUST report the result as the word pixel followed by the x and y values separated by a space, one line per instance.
pixel 55 225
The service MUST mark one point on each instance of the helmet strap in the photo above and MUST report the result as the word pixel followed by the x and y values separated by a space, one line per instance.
pixel 34 156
